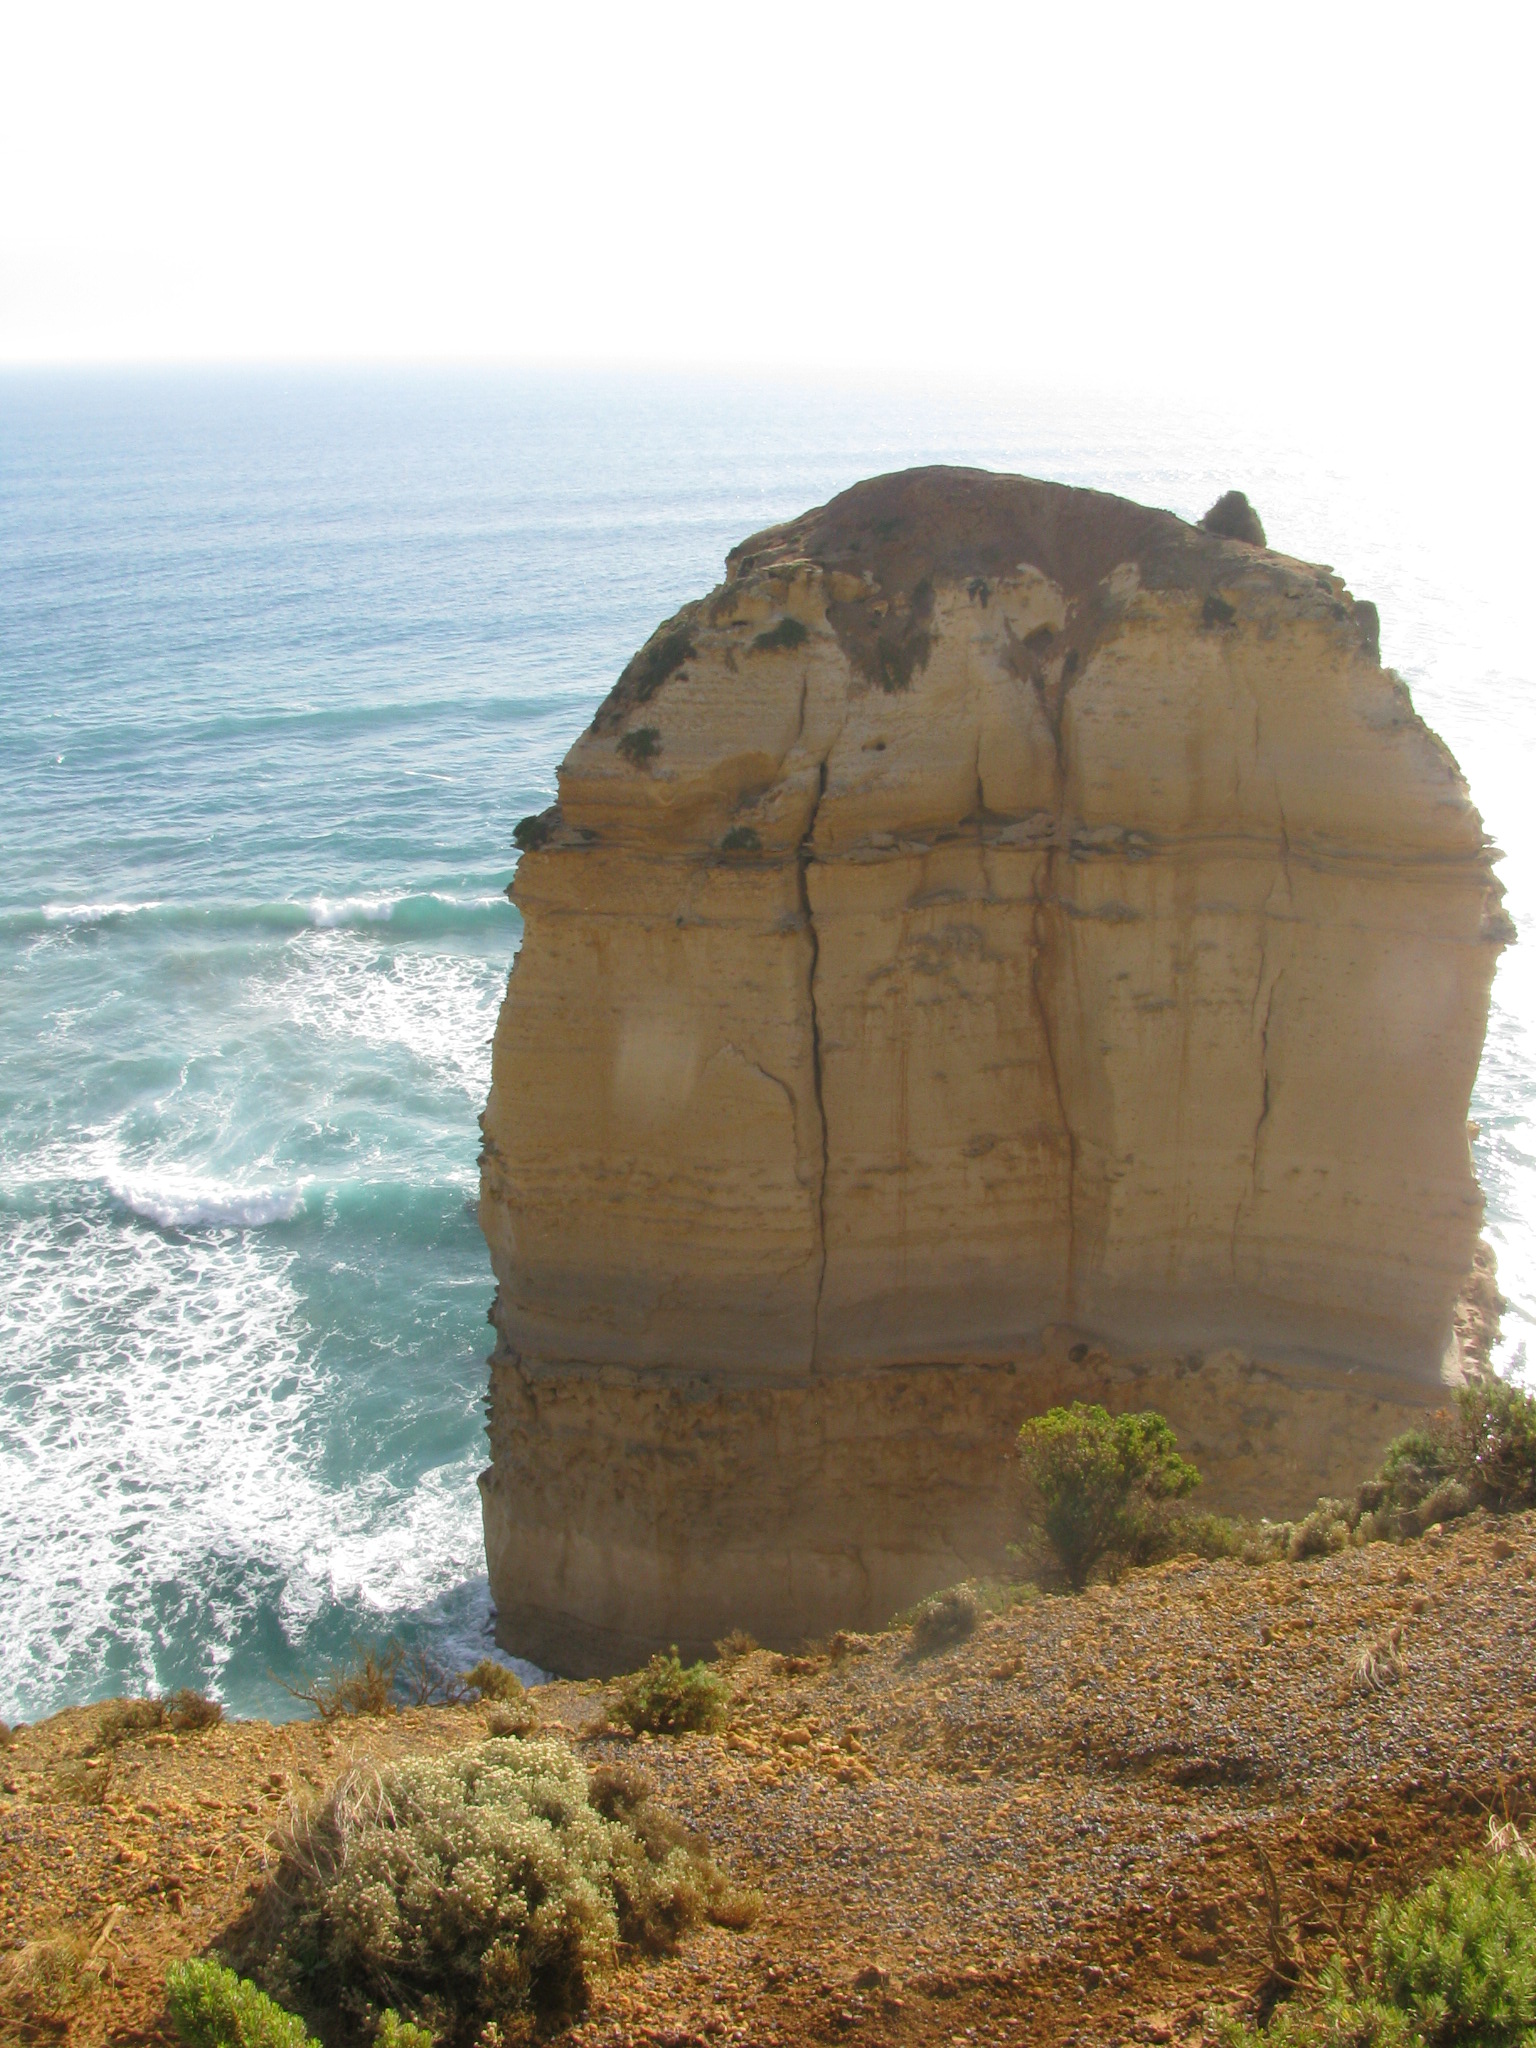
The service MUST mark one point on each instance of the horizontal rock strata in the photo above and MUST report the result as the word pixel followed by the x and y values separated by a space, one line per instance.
pixel 1003 944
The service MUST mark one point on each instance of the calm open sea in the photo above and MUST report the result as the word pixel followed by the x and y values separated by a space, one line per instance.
pixel 283 658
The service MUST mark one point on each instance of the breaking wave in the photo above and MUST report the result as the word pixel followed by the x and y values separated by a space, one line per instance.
pixel 427 915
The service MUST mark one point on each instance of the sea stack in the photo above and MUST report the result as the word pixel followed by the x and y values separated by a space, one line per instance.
pixel 1003 945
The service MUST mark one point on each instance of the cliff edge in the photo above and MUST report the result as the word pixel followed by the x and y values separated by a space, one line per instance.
pixel 1003 944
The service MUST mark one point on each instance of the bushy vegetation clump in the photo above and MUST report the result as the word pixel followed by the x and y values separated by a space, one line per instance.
pixel 786 635
pixel 211 2007
pixel 943 1620
pixel 1109 1491
pixel 489 1680
pixel 482 1889
pixel 641 745
pixel 182 1713
pixel 670 1698
pixel 1102 1484
pixel 1480 1454
pixel 1451 1965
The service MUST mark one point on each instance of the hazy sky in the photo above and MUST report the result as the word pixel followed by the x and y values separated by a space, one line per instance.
pixel 1337 197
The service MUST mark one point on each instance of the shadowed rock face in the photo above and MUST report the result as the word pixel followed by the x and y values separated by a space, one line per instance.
pixel 1003 944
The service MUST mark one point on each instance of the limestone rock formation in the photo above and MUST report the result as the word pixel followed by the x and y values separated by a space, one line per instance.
pixel 1003 944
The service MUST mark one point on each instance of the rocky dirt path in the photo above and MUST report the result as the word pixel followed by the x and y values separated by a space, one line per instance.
pixel 1053 1831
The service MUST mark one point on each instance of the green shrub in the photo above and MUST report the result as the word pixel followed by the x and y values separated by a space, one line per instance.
pixel 641 745
pixel 660 658
pixel 534 831
pixel 787 634
pixel 211 2007
pixel 1452 1965
pixel 493 1681
pixel 670 1698
pixel 1234 519
pixel 395 2032
pixel 1459 1954
pixel 1325 1530
pixel 483 1888
pixel 1481 1454
pixel 1498 1444
pixel 943 1620
pixel 1101 1483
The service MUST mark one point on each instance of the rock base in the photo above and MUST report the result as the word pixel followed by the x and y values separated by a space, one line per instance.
pixel 626 1511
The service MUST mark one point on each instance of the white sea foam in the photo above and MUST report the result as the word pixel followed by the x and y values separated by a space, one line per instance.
pixel 93 913
pixel 163 1437
pixel 191 1201
pixel 327 912
pixel 439 1007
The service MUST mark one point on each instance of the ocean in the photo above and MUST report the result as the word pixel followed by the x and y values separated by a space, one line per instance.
pixel 283 658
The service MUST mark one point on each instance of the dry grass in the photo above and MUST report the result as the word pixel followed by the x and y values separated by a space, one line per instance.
pixel 181 1713
pixel 362 1689
pixel 46 1982
pixel 1381 1663
pixel 948 1618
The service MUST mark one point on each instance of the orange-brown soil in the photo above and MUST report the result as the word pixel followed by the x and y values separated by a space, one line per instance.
pixel 1053 1832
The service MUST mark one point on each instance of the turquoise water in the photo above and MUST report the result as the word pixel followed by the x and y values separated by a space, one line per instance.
pixel 283 658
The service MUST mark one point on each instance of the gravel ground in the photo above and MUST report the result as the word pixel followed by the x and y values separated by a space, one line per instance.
pixel 1048 1833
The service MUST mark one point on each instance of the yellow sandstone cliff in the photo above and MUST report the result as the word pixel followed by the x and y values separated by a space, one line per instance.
pixel 1003 944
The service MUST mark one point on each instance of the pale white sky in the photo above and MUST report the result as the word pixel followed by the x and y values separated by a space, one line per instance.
pixel 1336 196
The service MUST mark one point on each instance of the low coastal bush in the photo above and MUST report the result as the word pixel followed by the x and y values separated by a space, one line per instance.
pixel 482 1889
pixel 944 1620
pixel 660 658
pixel 1101 1485
pixel 1480 1454
pixel 365 1687
pixel 670 1698
pixel 211 2007
pixel 183 1713
pixel 493 1681
pixel 738 1643
pixel 1452 1963
pixel 1107 1491
pixel 641 745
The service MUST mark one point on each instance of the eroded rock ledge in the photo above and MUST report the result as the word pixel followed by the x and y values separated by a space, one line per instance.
pixel 1003 943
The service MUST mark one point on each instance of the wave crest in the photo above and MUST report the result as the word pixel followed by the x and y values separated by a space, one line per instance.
pixel 175 1201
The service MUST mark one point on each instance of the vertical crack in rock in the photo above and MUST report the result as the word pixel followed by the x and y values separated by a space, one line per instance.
pixel 1054 706
pixel 1042 1011
pixel 1264 1101
pixel 1250 1194
pixel 803 861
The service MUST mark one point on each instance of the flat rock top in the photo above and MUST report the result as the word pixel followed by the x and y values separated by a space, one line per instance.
pixel 950 525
